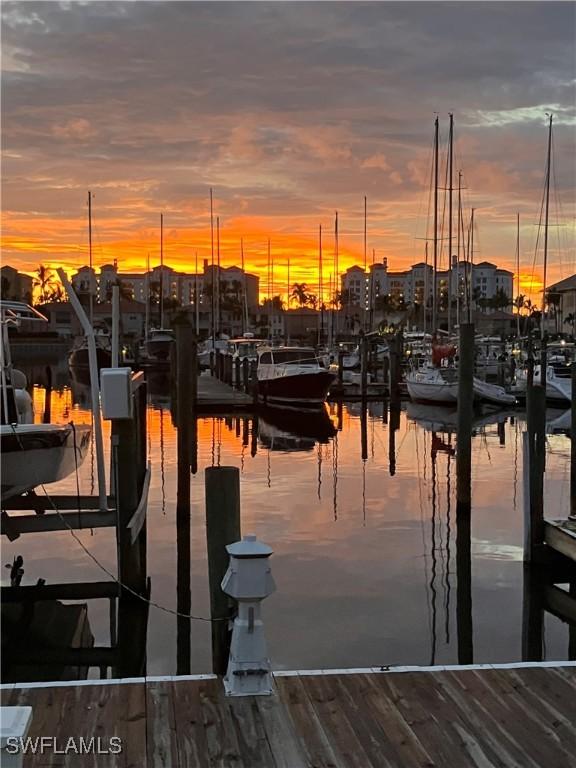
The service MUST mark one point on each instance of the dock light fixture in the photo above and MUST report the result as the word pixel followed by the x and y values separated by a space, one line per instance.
pixel 248 580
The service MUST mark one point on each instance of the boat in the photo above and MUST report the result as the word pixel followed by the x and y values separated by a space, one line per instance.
pixel 31 454
pixel 431 384
pixel 558 388
pixel 292 377
pixel 209 347
pixel 38 454
pixel 78 356
pixel 159 343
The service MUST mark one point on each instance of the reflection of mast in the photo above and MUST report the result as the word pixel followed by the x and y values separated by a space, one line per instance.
pixel 433 553
pixel 448 535
pixel 319 471
pixel 335 475
pixel 162 459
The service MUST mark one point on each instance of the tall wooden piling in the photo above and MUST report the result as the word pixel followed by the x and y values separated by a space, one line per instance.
pixel 47 415
pixel 185 382
pixel 464 623
pixel 573 447
pixel 395 352
pixel 534 458
pixel 222 486
pixel 246 375
pixel 534 583
pixel 465 414
pixel 363 366
pixel 340 367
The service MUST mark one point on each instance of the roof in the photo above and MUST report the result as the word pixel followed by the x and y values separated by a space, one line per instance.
pixel 568 284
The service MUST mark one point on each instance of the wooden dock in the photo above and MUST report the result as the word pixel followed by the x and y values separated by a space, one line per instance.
pixel 214 396
pixel 521 716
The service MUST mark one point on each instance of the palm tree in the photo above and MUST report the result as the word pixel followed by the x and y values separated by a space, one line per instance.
pixel 126 291
pixel 44 280
pixel 300 294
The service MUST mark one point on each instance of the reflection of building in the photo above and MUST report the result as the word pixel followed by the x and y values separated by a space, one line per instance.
pixel 15 285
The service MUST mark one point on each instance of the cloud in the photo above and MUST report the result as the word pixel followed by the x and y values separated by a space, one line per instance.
pixel 289 110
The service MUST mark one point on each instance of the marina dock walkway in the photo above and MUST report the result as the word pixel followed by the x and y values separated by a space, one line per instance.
pixel 521 716
pixel 214 396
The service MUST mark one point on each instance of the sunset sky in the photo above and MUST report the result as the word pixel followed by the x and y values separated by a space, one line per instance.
pixel 290 111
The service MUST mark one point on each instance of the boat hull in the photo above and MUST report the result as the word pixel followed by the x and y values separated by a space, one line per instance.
pixel 38 454
pixel 431 388
pixel 78 358
pixel 302 390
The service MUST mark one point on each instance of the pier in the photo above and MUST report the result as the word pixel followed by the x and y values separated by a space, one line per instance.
pixel 449 717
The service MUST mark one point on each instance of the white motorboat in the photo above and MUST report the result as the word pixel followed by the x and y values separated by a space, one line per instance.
pixel 38 454
pixel 31 454
pixel 558 388
pixel 293 377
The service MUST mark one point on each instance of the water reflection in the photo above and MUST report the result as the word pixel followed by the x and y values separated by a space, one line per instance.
pixel 373 566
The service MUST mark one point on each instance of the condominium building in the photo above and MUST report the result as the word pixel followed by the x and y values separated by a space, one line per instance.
pixel 179 286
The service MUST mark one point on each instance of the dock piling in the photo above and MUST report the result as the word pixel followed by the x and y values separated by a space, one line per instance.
pixel 222 488
pixel 465 415
pixel 534 463
pixel 573 447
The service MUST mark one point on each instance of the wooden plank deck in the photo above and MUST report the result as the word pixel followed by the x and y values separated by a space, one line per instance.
pixel 484 717
pixel 215 396
pixel 561 536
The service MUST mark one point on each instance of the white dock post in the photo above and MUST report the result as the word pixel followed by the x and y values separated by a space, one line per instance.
pixel 249 580
pixel 14 725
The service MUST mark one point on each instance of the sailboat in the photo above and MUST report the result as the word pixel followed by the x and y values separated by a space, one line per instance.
pixel 558 388
pixel 436 380
pixel 31 454
pixel 78 357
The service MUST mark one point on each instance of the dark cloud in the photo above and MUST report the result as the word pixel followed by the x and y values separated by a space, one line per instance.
pixel 314 103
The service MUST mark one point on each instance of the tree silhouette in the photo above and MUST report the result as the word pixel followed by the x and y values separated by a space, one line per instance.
pixel 301 294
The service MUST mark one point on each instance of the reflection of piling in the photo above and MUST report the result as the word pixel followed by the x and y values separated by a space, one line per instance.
pixel 534 461
pixel 502 433
pixel 185 376
pixel 464 586
pixel 48 397
pixel 364 430
pixel 339 415
pixel 222 528
pixel 573 448
pixel 465 414
pixel 392 429
pixel 254 437
pixel 533 612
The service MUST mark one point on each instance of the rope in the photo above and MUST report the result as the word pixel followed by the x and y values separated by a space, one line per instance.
pixel 103 567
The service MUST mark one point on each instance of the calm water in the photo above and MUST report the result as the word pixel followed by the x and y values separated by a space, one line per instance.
pixel 364 550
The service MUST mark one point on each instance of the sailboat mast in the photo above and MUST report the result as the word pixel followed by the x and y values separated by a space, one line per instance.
pixel 213 297
pixel 196 297
pixel 450 164
pixel 321 326
pixel 518 273
pixel 336 268
pixel 435 268
pixel 425 304
pixel 458 247
pixel 91 283
pixel 471 265
pixel 547 205
pixel 365 253
pixel 147 288
pixel 244 299
pixel 219 304
pixel 161 270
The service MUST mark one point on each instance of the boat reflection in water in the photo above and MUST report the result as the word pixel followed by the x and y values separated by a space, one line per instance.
pixel 434 418
pixel 292 430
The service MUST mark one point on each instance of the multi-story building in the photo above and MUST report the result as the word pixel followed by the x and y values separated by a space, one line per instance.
pixel 179 286
pixel 16 286
pixel 360 289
